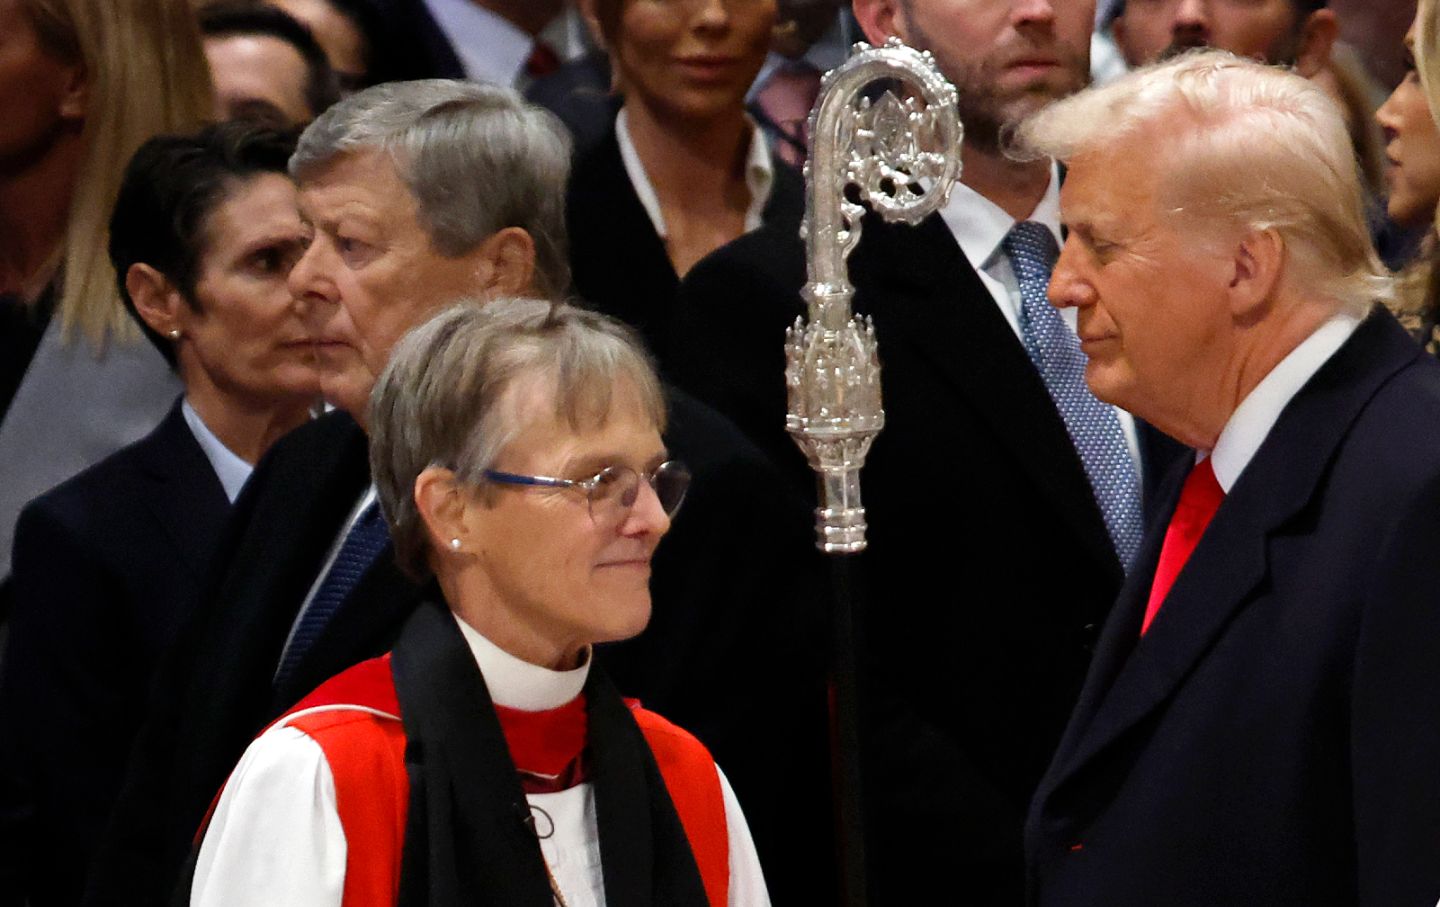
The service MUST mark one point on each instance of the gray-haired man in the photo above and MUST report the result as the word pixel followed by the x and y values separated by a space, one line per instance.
pixel 417 193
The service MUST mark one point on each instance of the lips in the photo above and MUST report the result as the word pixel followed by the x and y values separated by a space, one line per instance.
pixel 707 67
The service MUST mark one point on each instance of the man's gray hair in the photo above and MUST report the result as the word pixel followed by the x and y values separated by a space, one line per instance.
pixel 476 156
pixel 441 401
pixel 1238 144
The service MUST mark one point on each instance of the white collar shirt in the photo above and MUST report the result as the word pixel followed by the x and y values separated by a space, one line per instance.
pixel 232 471
pixel 759 176
pixel 1251 423
pixel 491 48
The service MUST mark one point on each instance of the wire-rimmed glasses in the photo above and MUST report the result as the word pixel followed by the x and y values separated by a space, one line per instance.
pixel 612 491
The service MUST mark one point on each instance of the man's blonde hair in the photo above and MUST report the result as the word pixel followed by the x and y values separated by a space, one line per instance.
pixel 1242 146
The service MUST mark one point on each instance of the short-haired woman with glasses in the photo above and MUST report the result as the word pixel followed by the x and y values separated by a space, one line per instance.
pixel 517 453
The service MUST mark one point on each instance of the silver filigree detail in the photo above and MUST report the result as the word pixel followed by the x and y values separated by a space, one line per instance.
pixel 901 156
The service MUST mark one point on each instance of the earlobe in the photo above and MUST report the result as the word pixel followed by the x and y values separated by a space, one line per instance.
pixel 1317 39
pixel 1256 265
pixel 156 299
pixel 442 509
pixel 76 99
pixel 508 263
pixel 879 19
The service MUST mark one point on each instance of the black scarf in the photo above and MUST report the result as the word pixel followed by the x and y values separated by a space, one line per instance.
pixel 469 835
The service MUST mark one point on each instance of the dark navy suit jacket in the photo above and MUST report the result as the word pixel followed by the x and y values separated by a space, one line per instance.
pixel 1274 738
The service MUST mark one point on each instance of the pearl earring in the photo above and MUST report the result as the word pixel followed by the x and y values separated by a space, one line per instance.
pixel 174 334
pixel 455 544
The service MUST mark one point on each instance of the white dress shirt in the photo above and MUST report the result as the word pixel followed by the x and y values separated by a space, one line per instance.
pixel 491 48
pixel 231 470
pixel 759 176
pixel 979 227
pixel 1250 424
pixel 276 839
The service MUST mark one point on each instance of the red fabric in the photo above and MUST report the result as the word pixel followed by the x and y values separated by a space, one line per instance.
pixel 366 754
pixel 542 61
pixel 1199 500
pixel 694 785
pixel 546 746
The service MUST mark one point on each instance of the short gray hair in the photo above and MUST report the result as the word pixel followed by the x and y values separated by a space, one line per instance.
pixel 439 401
pixel 1255 147
pixel 476 156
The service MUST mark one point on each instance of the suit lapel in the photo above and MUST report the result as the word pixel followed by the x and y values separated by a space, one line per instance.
pixel 185 494
pixel 947 315
pixel 1231 559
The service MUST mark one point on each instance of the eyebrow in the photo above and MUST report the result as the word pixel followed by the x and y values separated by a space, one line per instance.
pixel 592 464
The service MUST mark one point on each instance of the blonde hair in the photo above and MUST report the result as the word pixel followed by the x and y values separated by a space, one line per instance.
pixel 146 74
pixel 1248 146
pixel 1427 63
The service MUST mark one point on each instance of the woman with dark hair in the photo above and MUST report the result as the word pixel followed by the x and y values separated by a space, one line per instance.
pixel 517 454
pixel 685 169
pixel 109 563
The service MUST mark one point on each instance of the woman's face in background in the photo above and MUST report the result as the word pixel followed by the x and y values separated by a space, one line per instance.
pixel 41 95
pixel 691 59
pixel 1412 149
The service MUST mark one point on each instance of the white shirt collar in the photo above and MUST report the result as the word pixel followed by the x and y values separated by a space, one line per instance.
pixel 490 47
pixel 518 684
pixel 979 225
pixel 759 176
pixel 1257 414
pixel 828 52
pixel 229 468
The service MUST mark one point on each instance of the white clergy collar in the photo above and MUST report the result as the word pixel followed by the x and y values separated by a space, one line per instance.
pixel 979 225
pixel 759 176
pixel 1257 414
pixel 518 684
pixel 229 468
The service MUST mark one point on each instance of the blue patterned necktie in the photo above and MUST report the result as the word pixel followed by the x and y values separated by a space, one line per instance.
pixel 362 546
pixel 1093 426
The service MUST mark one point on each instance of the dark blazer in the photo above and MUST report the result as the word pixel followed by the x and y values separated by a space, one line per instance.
pixel 989 568
pixel 617 260
pixel 726 569
pixel 106 568
pixel 214 691
pixel 408 43
pixel 1273 739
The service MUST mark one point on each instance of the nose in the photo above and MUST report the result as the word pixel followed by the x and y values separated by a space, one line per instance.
pixel 1033 11
pixel 646 517
pixel 310 280
pixel 1068 287
pixel 711 15
pixel 1190 16
pixel 1386 115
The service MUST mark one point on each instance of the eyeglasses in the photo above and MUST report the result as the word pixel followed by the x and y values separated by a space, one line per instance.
pixel 612 491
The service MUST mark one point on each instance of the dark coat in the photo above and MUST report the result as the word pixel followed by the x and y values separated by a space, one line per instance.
pixel 107 567
pixel 1273 739
pixel 989 570
pixel 618 261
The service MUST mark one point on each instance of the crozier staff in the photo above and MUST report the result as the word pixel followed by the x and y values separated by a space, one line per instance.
pixel 517 454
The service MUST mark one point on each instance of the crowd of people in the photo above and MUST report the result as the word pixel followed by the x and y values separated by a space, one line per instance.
pixel 396 503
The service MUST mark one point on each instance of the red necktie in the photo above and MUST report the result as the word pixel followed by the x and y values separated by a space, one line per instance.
pixel 546 746
pixel 1199 500
pixel 786 99
pixel 542 61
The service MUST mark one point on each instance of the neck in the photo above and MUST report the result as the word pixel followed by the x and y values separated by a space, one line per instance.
pixel 1015 186
pixel 695 168
pixel 34 209
pixel 531 16
pixel 1255 353
pixel 246 426
pixel 478 604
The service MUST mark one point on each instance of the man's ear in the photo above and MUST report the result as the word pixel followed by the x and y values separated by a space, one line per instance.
pixel 1258 260
pixel 879 19
pixel 156 299
pixel 1317 39
pixel 507 266
pixel 442 507
pixel 75 101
